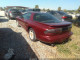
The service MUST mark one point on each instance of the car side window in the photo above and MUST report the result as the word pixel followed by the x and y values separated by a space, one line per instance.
pixel 27 16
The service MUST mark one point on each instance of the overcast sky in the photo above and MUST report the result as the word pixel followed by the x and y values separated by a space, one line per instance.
pixel 51 4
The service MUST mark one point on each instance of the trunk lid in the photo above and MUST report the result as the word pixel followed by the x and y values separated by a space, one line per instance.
pixel 66 26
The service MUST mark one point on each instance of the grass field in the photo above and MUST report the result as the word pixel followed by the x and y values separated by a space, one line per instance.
pixel 71 49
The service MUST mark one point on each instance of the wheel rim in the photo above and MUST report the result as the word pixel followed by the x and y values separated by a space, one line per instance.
pixel 31 34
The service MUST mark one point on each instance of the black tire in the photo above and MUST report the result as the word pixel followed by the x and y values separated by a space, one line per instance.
pixel 17 24
pixel 34 35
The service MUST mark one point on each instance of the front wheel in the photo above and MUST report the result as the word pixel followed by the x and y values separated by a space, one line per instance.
pixel 32 34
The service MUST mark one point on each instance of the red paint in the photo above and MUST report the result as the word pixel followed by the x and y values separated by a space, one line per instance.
pixel 40 29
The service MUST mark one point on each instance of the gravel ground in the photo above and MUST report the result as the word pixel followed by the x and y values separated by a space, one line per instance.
pixel 17 38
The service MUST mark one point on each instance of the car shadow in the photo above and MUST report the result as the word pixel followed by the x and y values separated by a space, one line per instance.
pixel 15 41
pixel 54 44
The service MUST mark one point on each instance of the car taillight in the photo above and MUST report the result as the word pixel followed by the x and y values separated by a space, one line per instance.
pixel 58 30
pixel 64 17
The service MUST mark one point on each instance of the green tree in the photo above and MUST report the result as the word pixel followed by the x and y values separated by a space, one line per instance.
pixel 44 9
pixel 48 9
pixel 36 6
pixel 65 10
pixel 78 10
pixel 59 8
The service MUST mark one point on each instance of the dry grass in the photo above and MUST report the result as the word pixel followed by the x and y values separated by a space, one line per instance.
pixel 71 49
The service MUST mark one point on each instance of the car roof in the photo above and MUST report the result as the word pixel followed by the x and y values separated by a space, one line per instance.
pixel 36 12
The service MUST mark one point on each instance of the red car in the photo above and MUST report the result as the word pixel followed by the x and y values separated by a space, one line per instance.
pixel 45 27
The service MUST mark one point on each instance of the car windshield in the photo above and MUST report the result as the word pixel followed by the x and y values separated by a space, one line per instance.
pixel 46 18
pixel 52 12
pixel 22 10
pixel 62 13
pixel 30 10
pixel 14 10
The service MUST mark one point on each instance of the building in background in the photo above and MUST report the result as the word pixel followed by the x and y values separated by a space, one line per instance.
pixel 16 7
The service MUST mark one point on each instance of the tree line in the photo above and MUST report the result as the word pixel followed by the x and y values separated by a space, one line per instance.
pixel 44 9
pixel 59 9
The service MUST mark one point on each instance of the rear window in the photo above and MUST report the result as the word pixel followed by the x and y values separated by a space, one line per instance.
pixel 45 18
pixel 52 12
pixel 62 13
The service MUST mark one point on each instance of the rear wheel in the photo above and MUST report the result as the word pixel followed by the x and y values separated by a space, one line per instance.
pixel 32 34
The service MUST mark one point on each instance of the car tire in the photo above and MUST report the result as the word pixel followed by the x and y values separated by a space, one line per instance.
pixel 32 35
pixel 17 24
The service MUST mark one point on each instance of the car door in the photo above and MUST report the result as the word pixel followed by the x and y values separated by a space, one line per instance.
pixel 26 17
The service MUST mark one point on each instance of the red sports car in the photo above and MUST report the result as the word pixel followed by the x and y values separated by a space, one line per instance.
pixel 45 27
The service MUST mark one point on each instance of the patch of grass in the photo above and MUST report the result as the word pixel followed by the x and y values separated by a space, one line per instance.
pixel 63 49
pixel 71 48
pixel 75 48
pixel 75 30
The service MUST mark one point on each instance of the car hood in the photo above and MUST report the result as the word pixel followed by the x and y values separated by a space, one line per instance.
pixel 59 24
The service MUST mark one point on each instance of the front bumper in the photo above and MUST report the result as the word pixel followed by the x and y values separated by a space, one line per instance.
pixel 56 39
pixel 69 20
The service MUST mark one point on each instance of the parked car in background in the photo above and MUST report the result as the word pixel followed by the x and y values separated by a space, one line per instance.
pixel 65 16
pixel 22 11
pixel 6 12
pixel 44 27
pixel 55 14
pixel 61 15
pixel 29 10
pixel 77 22
pixel 78 16
pixel 13 13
